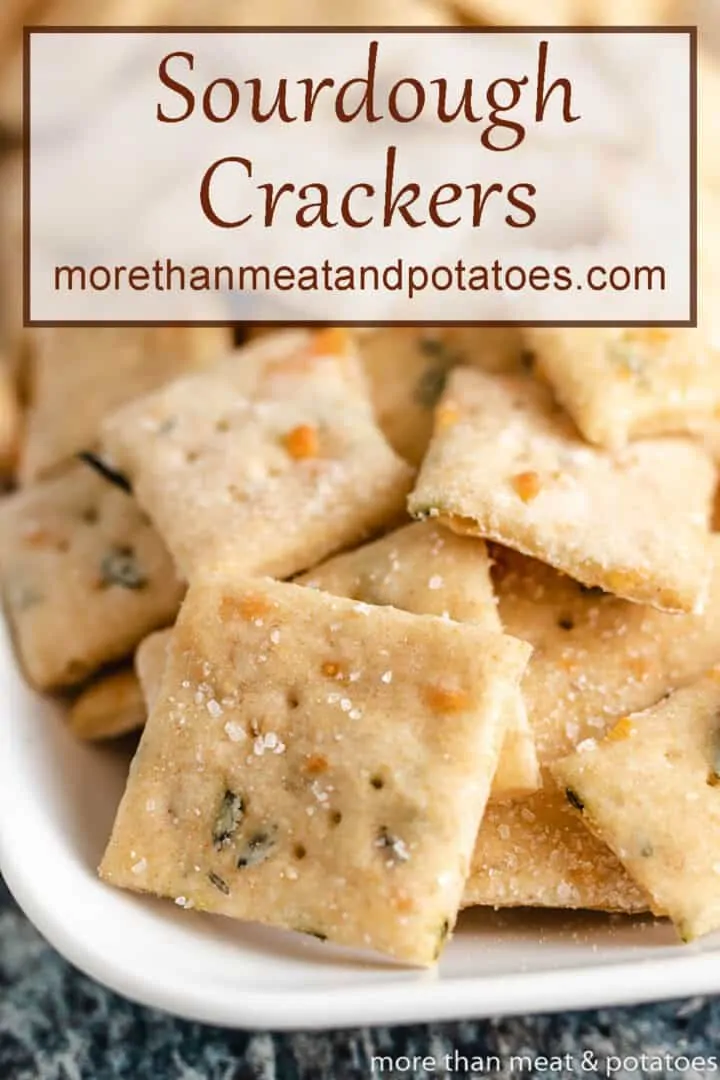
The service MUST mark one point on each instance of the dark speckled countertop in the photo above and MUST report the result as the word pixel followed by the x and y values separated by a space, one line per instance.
pixel 55 1024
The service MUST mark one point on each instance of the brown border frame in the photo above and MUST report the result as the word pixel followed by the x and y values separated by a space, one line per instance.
pixel 691 31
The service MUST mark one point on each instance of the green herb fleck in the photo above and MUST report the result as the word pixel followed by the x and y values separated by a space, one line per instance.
pixel 120 567
pixel 443 934
pixel 219 883
pixel 257 850
pixel 312 933
pixel 113 476
pixel 228 819
pixel 431 385
pixel 574 799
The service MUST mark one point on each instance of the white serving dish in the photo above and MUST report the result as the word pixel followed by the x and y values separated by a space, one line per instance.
pixel 57 801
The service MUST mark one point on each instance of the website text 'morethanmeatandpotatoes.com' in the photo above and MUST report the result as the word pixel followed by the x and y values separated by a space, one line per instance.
pixel 399 276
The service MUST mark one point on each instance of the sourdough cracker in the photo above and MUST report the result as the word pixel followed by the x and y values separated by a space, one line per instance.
pixel 78 376
pixel 621 384
pixel 150 661
pixel 84 577
pixel 290 768
pixel 407 368
pixel 595 659
pixel 506 464
pixel 111 706
pixel 272 483
pixel 650 791
pixel 427 570
pixel 535 853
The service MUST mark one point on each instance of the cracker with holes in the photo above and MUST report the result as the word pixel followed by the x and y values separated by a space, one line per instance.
pixel 111 706
pixel 316 764
pixel 595 659
pixel 651 791
pixel 84 576
pixel 428 570
pixel 507 464
pixel 150 661
pixel 407 368
pixel 80 375
pixel 274 483
pixel 622 384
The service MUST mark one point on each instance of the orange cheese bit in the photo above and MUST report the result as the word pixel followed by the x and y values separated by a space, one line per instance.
pixel 332 670
pixel 244 607
pixel 526 485
pixel 623 729
pixel 444 699
pixel 302 442
pixel 335 341
pixel 315 765
pixel 446 415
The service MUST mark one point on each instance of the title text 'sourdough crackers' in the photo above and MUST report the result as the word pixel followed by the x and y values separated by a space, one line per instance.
pixel 266 789
pixel 272 483
pixel 428 570
pixel 651 790
pixel 595 659
pixel 507 464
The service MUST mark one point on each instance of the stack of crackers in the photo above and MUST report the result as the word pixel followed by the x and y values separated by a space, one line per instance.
pixel 412 619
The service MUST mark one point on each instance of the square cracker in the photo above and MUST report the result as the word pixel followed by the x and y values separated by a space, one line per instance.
pixel 621 384
pixel 650 790
pixel 595 658
pixel 274 483
pixel 505 463
pixel 265 789
pixel 407 368
pixel 112 705
pixel 79 375
pixel 428 570
pixel 84 576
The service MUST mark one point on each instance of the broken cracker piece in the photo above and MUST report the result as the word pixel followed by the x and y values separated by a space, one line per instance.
pixel 265 789
pixel 273 483
pixel 428 570
pixel 651 791
pixel 84 577
pixel 111 706
pixel 506 464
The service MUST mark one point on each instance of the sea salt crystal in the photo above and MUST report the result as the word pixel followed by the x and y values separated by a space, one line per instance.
pixel 346 704
pixel 234 731
pixel 214 708
pixel 139 867
pixel 386 677
pixel 355 714
pixel 275 636
pixel 435 582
